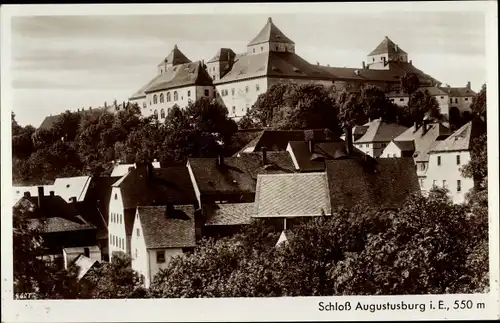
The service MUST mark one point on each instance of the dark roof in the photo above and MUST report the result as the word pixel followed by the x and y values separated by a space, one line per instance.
pixel 97 201
pixel 237 174
pixel 463 138
pixel 277 140
pixel 405 145
pixel 424 141
pixel 167 229
pixel 223 55
pixel 181 75
pixel 292 195
pixel 381 183
pixel 166 185
pixel 270 33
pixel 387 46
pixel 381 131
pixel 228 213
pixel 176 57
pixel 273 64
pixel 458 91
pixel 315 160
pixel 49 122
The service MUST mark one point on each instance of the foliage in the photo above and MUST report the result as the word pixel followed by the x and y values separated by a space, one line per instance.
pixel 410 83
pixel 478 105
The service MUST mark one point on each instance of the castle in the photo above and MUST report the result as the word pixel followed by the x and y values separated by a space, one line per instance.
pixel 236 80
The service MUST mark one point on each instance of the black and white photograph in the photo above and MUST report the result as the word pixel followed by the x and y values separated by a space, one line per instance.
pixel 337 155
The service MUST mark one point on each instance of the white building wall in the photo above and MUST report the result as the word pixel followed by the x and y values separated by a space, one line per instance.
pixel 373 149
pixel 449 172
pixel 154 266
pixel 392 150
pixel 139 252
pixel 241 95
pixel 117 239
pixel 462 103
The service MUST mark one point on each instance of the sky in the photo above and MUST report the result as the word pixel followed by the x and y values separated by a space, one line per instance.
pixel 68 62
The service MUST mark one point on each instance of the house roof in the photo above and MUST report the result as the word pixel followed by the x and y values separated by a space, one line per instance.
pixel 462 138
pixel 237 174
pixel 405 145
pixel 68 187
pixel 166 185
pixel 382 182
pixel 81 249
pixel 176 57
pixel 99 193
pixel 315 160
pixel 423 141
pixel 360 130
pixel 277 140
pixel 163 228
pixel 292 195
pixel 387 46
pixel 18 191
pixel 458 91
pixel 285 237
pixel 84 264
pixel 381 131
pixel 122 169
pixel 223 55
pixel 228 213
pixel 273 64
pixel 270 33
pixel 49 122
pixel 434 90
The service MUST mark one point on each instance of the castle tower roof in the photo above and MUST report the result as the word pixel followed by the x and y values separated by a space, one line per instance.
pixel 176 57
pixel 387 46
pixel 270 33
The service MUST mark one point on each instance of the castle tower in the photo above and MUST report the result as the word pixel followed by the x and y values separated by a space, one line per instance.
pixel 270 39
pixel 385 53
pixel 221 63
pixel 176 57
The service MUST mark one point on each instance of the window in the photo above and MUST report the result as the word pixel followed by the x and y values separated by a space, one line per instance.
pixel 367 145
pixel 168 97
pixel 213 77
pixel 155 99
pixel 247 108
pixel 392 100
pixel 176 96
pixel 161 98
pixel 232 91
pixel 459 186
pixel 234 110
pixel 442 97
pixel 254 50
pixel 257 87
pixel 434 183
pixel 160 257
pixel 444 183
pixel 422 166
pixel 458 159
pixel 207 93
pixel 136 252
pixel 456 100
pixel 261 49
pixel 393 155
pixel 439 160
pixel 373 59
pixel 401 100
pixel 155 113
pixel 144 105
pixel 121 217
pixel 116 196
pixel 246 89
pixel 451 100
pixel 421 182
pixel 138 232
pixel 466 99
pixel 162 113
pixel 112 240
pixel 189 94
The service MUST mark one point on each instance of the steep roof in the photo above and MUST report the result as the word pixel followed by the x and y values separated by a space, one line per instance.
pixel 315 160
pixel 387 46
pixel 461 139
pixel 175 57
pixel 223 55
pixel 292 195
pixel 423 141
pixel 18 191
pixel 164 228
pixel 84 264
pixel 122 169
pixel 270 33
pixel 49 122
pixel 381 131
pixel 458 91
pixel 273 64
pixel 381 183
pixel 68 187
pixel 228 213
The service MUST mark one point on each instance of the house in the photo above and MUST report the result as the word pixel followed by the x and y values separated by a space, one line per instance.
pixel 400 98
pixel 69 187
pixel 447 158
pixel 120 170
pixel 378 135
pixel 383 183
pixel 159 234
pixel 460 98
pixel 233 179
pixel 416 142
pixel 19 191
pixel 225 219
pixel 144 186
pixel 71 254
pixel 84 264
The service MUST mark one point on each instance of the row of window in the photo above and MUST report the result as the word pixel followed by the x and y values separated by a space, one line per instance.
pixel 161 98
pixel 276 48
pixel 117 241
pixel 459 184
pixel 383 144
pixel 456 100
pixel 116 218
pixel 247 108
pixel 457 160
pixel 224 92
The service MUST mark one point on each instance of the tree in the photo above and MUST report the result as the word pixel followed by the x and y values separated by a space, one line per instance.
pixel 376 105
pixel 350 109
pixel 423 103
pixel 410 83
pixel 478 105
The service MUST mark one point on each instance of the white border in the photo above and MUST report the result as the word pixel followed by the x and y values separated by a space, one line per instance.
pixel 257 309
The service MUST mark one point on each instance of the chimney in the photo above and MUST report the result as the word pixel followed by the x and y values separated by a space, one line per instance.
pixel 396 47
pixel 311 145
pixel 220 159
pixel 415 126
pixel 27 194
pixel 468 85
pixel 364 65
pixel 40 195
pixel 86 252
pixel 52 193
pixel 348 141
pixel 72 199
pixel 411 62
pixel 264 156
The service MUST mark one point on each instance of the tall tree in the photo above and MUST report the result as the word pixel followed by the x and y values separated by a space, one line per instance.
pixel 410 83
pixel 423 103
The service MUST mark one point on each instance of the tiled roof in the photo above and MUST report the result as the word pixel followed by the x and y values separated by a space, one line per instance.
pixel 122 169
pixel 49 122
pixel 292 195
pixel 83 264
pixel 237 174
pixel 228 213
pixel 462 138
pixel 387 46
pixel 270 33
pixel 176 57
pixel 166 185
pixel 18 191
pixel 423 142
pixel 405 145
pixel 381 131
pixel 434 91
pixel 277 140
pixel 458 91
pixel 68 187
pixel 167 229
pixel 180 76
pixel 315 160
pixel 273 64
pixel 359 130
pixel 381 183
pixel 223 55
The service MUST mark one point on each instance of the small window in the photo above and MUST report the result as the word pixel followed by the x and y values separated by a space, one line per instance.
pixel 189 94
pixel 138 232
pixel 458 159
pixel 459 186
pixel 442 97
pixel 155 113
pixel 112 240
pixel 234 110
pixel 456 100
pixel 451 100
pixel 401 100
pixel 257 87
pixel 232 91
pixel 161 98
pixel 393 155
pixel 136 253
pixel 121 217
pixel 434 182
pixel 160 257
pixel 439 161
pixel 176 96
pixel 144 105
pixel 162 113
pixel 207 93
pixel 421 182
pixel 116 196
pixel 373 59
pixel 246 89
pixel 261 49
pixel 466 99
pixel 422 166
pixel 444 183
